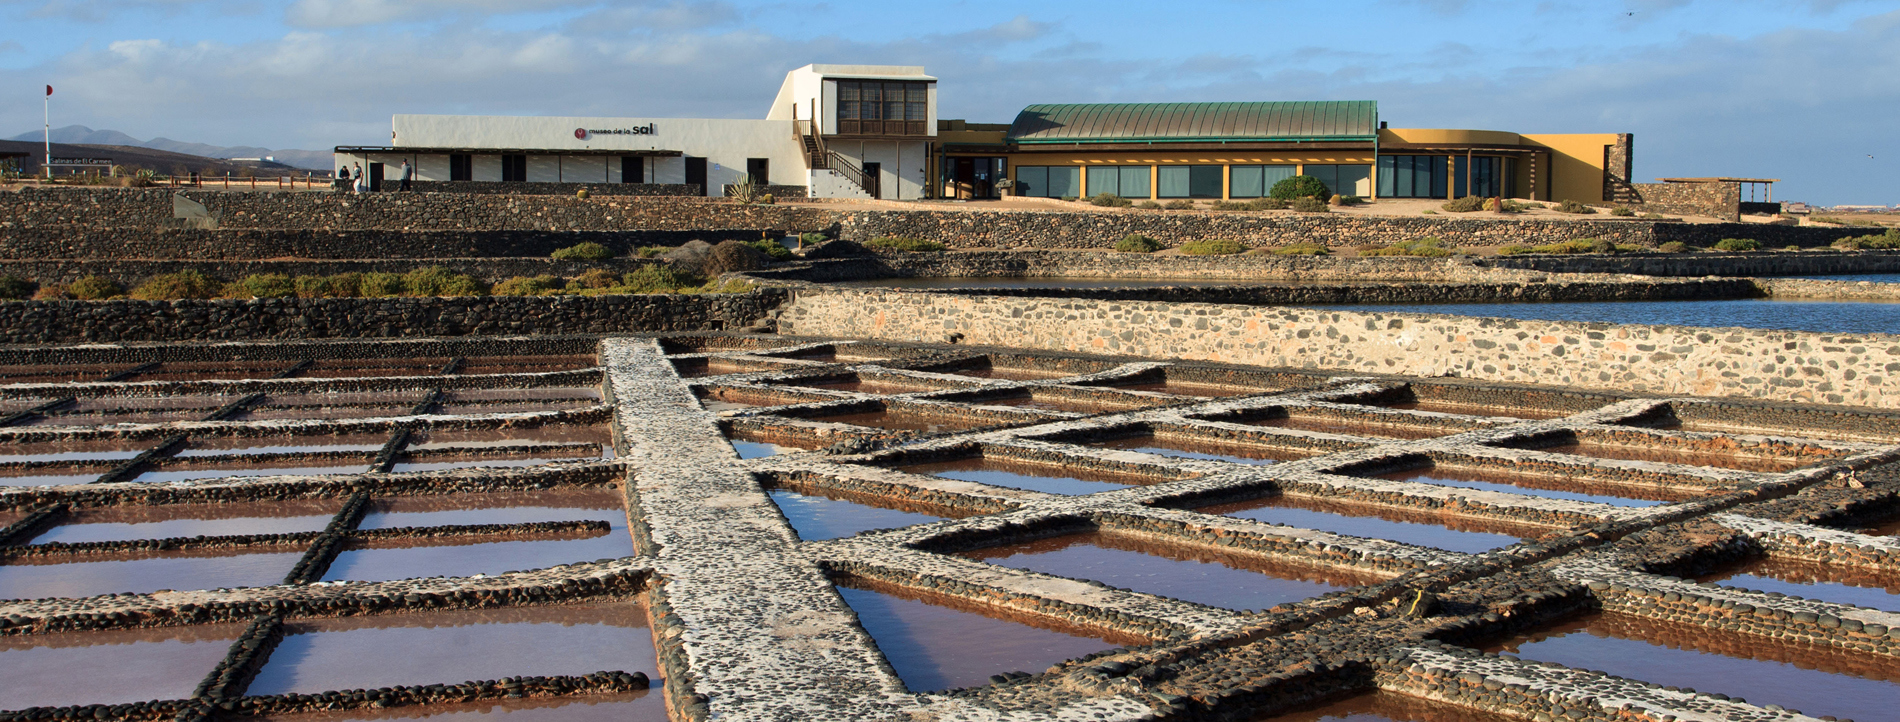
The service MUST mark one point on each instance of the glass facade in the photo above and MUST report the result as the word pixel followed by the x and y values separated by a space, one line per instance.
pixel 1127 181
pixel 1189 181
pixel 893 108
pixel 1048 181
pixel 1413 176
pixel 1342 180
pixel 1483 176
pixel 1254 181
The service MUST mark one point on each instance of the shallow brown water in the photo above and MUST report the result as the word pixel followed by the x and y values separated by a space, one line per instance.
pixel 1547 487
pixel 497 508
pixel 1383 707
pixel 1762 671
pixel 1677 456
pixel 1354 428
pixel 1440 531
pixel 1180 448
pixel 1046 478
pixel 1826 582
pixel 391 559
pixel 901 421
pixel 187 520
pixel 458 646
pixel 815 516
pixel 142 572
pixel 116 666
pixel 1202 576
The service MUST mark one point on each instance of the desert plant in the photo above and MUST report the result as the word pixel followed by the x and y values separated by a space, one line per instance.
pixel 1228 206
pixel 1575 208
pixel 899 243
pixel 1310 204
pixel 1069 199
pixel 1510 206
pixel 593 278
pixel 51 292
pixel 377 284
pixel 342 285
pixel 771 247
pixel 1348 200
pixel 15 288
pixel 745 191
pixel 260 285
pixel 1179 204
pixel 1427 247
pixel 734 256
pixel 529 286
pixel 1622 212
pixel 810 239
pixel 651 251
pixel 581 194
pixel 1674 247
pixel 1889 239
pixel 438 281
pixel 1466 204
pixel 1266 204
pixel 1213 247
pixel 1137 243
pixel 588 251
pixel 94 288
pixel 1148 206
pixel 658 278
pixel 1110 200
pixel 1303 249
pixel 173 286
pixel 1300 186
pixel 1737 244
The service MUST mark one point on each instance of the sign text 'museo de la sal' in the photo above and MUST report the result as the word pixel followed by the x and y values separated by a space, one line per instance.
pixel 648 129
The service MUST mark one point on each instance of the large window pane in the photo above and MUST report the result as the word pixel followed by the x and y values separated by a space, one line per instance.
pixel 1328 176
pixel 1402 177
pixel 1105 180
pixel 1032 180
pixel 1134 181
pixel 1064 181
pixel 1439 189
pixel 1355 180
pixel 1244 181
pixel 1204 181
pixel 1459 174
pixel 1271 174
pixel 1388 177
pixel 1173 180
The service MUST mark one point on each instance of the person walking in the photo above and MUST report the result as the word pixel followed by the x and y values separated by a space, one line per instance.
pixel 362 181
pixel 343 180
pixel 407 173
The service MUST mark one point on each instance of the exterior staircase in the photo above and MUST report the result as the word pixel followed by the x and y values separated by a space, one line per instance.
pixel 832 175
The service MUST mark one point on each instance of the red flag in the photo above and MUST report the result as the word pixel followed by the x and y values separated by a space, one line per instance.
pixel 49 90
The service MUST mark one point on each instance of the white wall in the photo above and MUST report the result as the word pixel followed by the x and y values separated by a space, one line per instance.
pixel 727 143
pixel 432 167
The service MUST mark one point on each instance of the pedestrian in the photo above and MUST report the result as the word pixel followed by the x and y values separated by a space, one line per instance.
pixel 343 180
pixel 362 181
pixel 407 173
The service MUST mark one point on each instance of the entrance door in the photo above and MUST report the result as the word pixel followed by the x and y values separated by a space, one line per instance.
pixel 696 174
pixel 874 179
pixel 633 169
pixel 963 177
pixel 375 177
pixel 759 170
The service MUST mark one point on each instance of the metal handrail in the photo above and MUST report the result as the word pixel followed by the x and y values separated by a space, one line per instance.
pixel 850 171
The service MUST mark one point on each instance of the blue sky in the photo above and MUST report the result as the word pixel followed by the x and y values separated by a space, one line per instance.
pixel 1803 91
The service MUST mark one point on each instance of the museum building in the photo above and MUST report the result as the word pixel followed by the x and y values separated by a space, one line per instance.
pixel 872 131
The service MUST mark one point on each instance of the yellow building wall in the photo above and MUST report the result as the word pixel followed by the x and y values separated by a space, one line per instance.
pixel 1576 161
pixel 1447 136
pixel 1161 158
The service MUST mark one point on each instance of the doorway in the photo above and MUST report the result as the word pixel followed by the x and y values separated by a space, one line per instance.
pixel 696 174
pixel 874 179
pixel 759 170
pixel 375 177
pixel 633 169
pixel 974 178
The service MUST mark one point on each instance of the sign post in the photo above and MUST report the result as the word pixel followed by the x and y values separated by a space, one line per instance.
pixel 48 164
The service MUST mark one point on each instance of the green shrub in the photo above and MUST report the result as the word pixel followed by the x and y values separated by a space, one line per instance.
pixel 15 288
pixel 1791 248
pixel 1300 186
pixel 342 285
pixel 1266 204
pixel 173 286
pixel 1622 212
pixel 1653 216
pixel 1213 247
pixel 1137 243
pixel 1179 204
pixel 596 278
pixel 1069 199
pixel 1466 204
pixel 1227 206
pixel 658 278
pixel 1110 200
pixel 810 239
pixel 438 281
pixel 1303 249
pixel 773 248
pixel 1310 204
pixel 1514 249
pixel 261 285
pixel 1348 200
pixel 652 251
pixel 529 286
pixel 1573 207
pixel 1889 239
pixel 1581 245
pixel 1427 247
pixel 94 288
pixel 588 251
pixel 376 284
pixel 1148 205
pixel 1674 247
pixel 1738 244
pixel 1511 206
pixel 895 243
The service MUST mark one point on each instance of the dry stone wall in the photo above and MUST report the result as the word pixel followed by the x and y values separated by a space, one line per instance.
pixel 559 189
pixel 1761 364
pixel 129 273
pixel 253 244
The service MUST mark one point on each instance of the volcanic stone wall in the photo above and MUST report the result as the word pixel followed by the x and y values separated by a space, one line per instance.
pixel 251 244
pixel 1708 264
pixel 1716 200
pixel 559 189
pixel 1762 364
pixel 130 273
pixel 34 322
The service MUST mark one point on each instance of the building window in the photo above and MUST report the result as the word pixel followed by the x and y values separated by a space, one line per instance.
pixel 1484 176
pixel 1127 181
pixel 633 169
pixel 1344 180
pixel 1412 176
pixel 1254 181
pixel 759 171
pixel 868 107
pixel 514 168
pixel 1189 181
pixel 1048 181
pixel 461 167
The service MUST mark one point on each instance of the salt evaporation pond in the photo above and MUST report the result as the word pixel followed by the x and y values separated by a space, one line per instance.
pixel 1815 316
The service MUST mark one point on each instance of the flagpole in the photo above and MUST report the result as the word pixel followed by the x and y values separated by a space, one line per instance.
pixel 48 165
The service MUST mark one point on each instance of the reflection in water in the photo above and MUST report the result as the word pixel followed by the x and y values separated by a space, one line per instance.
pixel 1817 316
pixel 1852 277
pixel 497 508
pixel 428 558
pixel 817 517
pixel 1347 427
pixel 1447 532
pixel 1032 477
pixel 948 644
pixel 1454 407
pixel 173 473
pixel 187 520
pixel 42 477
pixel 1194 575
pixel 1383 707
pixel 757 449
pixel 1763 671
pixel 1891 528
pixel 1679 456
pixel 112 667
pixel 903 421
pixel 451 647
pixel 1530 486
pixel 1185 449
pixel 1825 582
pixel 141 573
pixel 643 706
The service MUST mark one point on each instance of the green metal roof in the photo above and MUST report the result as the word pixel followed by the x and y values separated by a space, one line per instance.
pixel 1343 120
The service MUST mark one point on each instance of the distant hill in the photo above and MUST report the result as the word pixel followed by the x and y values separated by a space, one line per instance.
pixel 162 161
pixel 82 135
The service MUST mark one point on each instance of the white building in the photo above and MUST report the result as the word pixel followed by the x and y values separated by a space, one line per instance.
pixel 872 139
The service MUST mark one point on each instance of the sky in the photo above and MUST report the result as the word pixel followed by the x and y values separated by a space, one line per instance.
pixel 1806 91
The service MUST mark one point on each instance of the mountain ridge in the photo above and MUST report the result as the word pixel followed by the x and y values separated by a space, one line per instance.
pixel 82 135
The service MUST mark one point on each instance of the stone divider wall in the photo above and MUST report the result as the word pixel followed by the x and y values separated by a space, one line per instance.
pixel 254 244
pixel 558 189
pixel 40 322
pixel 1759 263
pixel 129 273
pixel 1753 363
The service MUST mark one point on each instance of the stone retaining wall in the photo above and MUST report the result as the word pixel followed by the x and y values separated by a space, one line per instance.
pixel 1715 200
pixel 143 243
pixel 1709 264
pixel 1755 363
pixel 558 189
pixel 130 273
pixel 37 322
